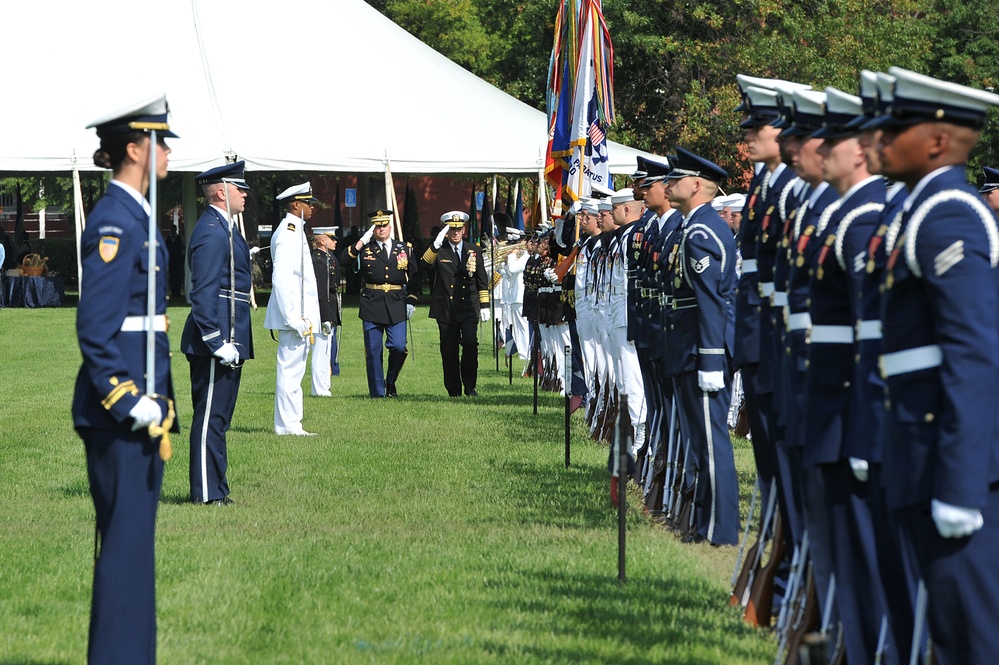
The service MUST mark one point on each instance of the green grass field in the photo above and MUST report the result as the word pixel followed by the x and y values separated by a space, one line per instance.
pixel 415 530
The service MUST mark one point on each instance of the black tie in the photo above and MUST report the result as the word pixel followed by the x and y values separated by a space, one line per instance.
pixel 385 251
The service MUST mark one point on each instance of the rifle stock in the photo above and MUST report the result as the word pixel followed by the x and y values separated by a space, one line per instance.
pixel 759 609
pixel 563 267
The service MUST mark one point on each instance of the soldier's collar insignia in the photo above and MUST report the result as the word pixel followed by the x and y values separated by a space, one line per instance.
pixel 108 248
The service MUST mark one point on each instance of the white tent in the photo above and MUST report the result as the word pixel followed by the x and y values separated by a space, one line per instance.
pixel 304 85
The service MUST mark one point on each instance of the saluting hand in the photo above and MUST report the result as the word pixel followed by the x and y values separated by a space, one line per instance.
pixel 366 238
pixel 439 240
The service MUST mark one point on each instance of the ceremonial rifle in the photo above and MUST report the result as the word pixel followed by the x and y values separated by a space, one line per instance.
pixel 745 533
pixel 744 585
pixel 623 436
pixel 759 609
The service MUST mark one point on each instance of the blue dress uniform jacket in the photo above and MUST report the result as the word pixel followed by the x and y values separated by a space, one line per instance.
pixel 767 246
pixel 941 290
pixel 114 253
pixel 327 269
pixel 123 467
pixel 379 302
pixel 747 297
pixel 830 349
pixel 210 322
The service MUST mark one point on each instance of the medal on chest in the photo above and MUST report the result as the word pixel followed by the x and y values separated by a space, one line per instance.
pixel 752 203
pixel 873 245
pixel 823 253
pixel 892 259
pixel 787 228
pixel 799 260
pixel 765 224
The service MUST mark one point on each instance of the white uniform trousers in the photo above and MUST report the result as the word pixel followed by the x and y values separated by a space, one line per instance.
pixel 292 355
pixel 321 367
pixel 589 351
pixel 629 380
pixel 521 336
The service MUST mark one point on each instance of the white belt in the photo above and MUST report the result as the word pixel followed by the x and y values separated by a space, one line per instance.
pixel 910 360
pixel 799 321
pixel 779 299
pixel 748 266
pixel 240 296
pixel 766 289
pixel 138 323
pixel 869 329
pixel 831 335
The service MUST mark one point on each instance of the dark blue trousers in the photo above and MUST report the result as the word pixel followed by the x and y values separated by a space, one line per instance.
pixel 859 592
pixel 125 473
pixel 962 581
pixel 704 419
pixel 394 336
pixel 214 388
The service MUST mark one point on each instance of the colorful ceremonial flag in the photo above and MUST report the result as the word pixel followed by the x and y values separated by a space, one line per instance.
pixel 518 212
pixel 580 100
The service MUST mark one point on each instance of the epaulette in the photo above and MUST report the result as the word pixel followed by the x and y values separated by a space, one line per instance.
pixel 845 224
pixel 946 196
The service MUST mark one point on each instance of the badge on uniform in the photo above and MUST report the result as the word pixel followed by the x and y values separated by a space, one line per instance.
pixel 291 227
pixel 108 248
pixel 701 265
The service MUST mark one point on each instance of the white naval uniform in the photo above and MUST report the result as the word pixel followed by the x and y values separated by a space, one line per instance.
pixel 512 271
pixel 294 296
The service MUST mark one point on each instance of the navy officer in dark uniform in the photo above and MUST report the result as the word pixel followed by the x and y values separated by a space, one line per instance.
pixel 940 317
pixel 459 301
pixel 990 190
pixel 120 422
pixel 390 286
pixel 217 337
pixel 699 342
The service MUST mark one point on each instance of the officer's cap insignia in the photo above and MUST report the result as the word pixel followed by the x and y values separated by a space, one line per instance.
pixel 291 227
pixel 108 248
pixel 701 265
pixel 948 258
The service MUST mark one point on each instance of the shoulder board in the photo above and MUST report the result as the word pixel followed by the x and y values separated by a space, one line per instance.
pixel 972 201
pixel 845 224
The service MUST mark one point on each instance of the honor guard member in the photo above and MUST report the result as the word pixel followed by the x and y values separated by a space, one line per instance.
pixel 325 352
pixel 512 271
pixel 459 301
pixel 866 425
pixel 761 141
pixel 293 309
pixel 625 215
pixel 818 197
pixel 701 271
pixel 122 425
pixel 940 317
pixel 390 285
pixel 217 339
pixel 990 190
pixel 841 239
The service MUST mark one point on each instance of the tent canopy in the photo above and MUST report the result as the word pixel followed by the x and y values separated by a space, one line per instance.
pixel 300 85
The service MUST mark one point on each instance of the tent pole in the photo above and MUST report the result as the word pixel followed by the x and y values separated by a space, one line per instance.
pixel 542 197
pixel 80 224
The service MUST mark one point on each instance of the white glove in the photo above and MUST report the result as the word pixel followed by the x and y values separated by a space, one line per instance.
pixel 254 251
pixel 439 240
pixel 366 238
pixel 410 310
pixel 955 521
pixel 483 314
pixel 861 469
pixel 327 328
pixel 146 412
pixel 551 276
pixel 710 382
pixel 302 327
pixel 227 353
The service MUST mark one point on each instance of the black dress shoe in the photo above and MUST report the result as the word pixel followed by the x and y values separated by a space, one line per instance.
pixel 471 393
pixel 224 501
pixel 693 539
pixel 390 391
pixel 454 394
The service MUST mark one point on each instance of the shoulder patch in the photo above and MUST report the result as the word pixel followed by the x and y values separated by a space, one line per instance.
pixel 108 248
pixel 701 265
pixel 291 227
pixel 948 258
